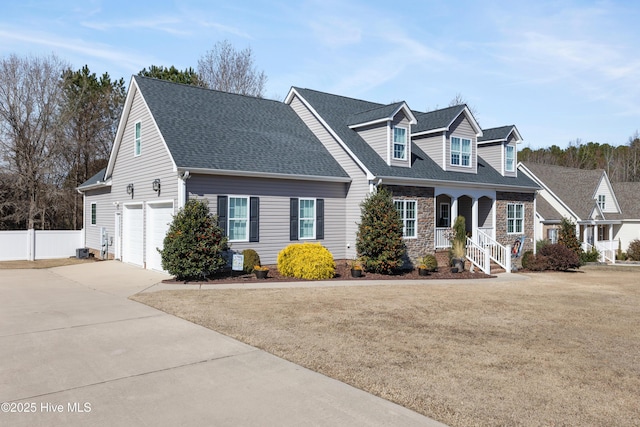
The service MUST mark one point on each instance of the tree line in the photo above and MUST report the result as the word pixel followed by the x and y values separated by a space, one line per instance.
pixel 622 163
pixel 57 127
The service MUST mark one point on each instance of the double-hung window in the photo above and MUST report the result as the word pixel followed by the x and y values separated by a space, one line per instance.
pixel 399 143
pixel 306 218
pixel 515 218
pixel 408 214
pixel 602 201
pixel 238 219
pixel 460 151
pixel 510 158
pixel 137 145
pixel 94 213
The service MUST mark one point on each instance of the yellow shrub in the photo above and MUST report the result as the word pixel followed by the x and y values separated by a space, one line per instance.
pixel 310 261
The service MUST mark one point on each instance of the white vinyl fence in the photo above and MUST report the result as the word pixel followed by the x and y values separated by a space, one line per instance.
pixel 39 244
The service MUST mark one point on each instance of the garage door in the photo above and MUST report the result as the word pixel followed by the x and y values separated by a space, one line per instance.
pixel 132 235
pixel 159 216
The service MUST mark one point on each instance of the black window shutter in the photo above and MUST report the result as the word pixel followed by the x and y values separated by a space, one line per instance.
pixel 222 214
pixel 293 219
pixel 319 219
pixel 254 219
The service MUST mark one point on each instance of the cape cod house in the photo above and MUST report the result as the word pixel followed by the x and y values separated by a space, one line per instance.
pixel 279 172
pixel 607 215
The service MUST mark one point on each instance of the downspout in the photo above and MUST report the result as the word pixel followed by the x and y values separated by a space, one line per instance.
pixel 182 189
pixel 373 186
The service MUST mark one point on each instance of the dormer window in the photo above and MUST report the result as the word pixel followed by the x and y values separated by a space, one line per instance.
pixel 602 201
pixel 460 151
pixel 510 158
pixel 399 143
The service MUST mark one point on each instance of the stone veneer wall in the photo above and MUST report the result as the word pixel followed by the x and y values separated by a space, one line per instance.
pixel 502 200
pixel 424 243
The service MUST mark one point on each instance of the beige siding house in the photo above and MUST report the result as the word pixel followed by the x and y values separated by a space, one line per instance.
pixel 263 165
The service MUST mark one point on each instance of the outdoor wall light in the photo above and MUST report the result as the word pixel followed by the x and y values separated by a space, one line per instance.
pixel 156 185
pixel 130 190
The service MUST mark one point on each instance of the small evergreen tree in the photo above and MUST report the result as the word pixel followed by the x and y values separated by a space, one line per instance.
pixel 194 244
pixel 567 236
pixel 379 239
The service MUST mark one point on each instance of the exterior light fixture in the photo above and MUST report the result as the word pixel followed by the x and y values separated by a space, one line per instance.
pixel 156 185
pixel 130 190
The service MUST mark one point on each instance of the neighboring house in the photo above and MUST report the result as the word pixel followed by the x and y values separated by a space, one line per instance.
pixel 298 170
pixel 607 216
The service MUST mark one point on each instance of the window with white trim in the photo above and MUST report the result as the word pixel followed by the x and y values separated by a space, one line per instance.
pixel 307 219
pixel 408 213
pixel 515 218
pixel 399 143
pixel 460 151
pixel 137 145
pixel 94 213
pixel 510 158
pixel 552 235
pixel 444 215
pixel 602 201
pixel 238 219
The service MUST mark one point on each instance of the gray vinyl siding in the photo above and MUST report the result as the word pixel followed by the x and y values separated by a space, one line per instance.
pixel 432 147
pixel 485 212
pixel 274 195
pixel 153 162
pixel 492 154
pixel 461 128
pixel 401 120
pixel 377 136
pixel 105 213
pixel 359 187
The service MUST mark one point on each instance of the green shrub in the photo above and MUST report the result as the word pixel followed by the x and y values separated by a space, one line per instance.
pixel 633 252
pixel 560 258
pixel 310 261
pixel 194 244
pixel 429 262
pixel 567 236
pixel 538 262
pixel 251 259
pixel 589 256
pixel 379 240
pixel 541 243
pixel 621 256
pixel 526 258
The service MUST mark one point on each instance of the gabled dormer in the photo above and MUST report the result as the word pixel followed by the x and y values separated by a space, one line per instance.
pixel 449 136
pixel 604 196
pixel 387 129
pixel 499 147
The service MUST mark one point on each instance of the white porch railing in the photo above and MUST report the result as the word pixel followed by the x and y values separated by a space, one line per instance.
pixel 441 238
pixel 489 231
pixel 501 255
pixel 607 249
pixel 478 256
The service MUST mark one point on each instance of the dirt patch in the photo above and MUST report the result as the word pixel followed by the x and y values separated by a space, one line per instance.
pixel 43 263
pixel 558 349
pixel 343 272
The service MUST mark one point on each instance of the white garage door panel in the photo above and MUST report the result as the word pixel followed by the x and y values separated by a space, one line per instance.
pixel 132 235
pixel 159 218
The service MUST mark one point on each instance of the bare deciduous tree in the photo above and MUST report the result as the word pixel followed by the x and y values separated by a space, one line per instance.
pixel 227 69
pixel 30 96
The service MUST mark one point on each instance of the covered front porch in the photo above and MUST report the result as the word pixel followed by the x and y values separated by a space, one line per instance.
pixel 599 235
pixel 478 211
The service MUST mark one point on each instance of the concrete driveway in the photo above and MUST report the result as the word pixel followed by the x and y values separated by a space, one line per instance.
pixel 75 351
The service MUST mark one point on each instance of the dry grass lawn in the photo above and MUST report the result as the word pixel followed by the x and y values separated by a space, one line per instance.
pixel 558 349
pixel 42 263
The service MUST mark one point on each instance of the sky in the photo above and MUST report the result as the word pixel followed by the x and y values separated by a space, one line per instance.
pixel 561 71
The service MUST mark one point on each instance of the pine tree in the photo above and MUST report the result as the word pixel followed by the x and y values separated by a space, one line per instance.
pixel 379 239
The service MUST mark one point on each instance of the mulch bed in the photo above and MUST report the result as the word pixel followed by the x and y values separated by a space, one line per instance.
pixel 343 272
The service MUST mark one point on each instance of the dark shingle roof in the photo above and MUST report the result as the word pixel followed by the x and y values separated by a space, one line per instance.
pixel 437 119
pixel 95 179
pixel 546 211
pixel 496 134
pixel 216 130
pixel 336 111
pixel 575 187
pixel 376 113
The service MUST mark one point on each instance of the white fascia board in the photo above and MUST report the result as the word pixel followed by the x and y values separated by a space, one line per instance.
pixel 492 140
pixel 407 112
pixel 250 174
pixel 372 122
pixel 419 182
pixel 474 124
pixel 293 92
pixel 427 132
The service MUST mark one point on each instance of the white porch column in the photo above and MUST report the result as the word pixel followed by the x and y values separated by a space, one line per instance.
pixel 454 210
pixel 474 218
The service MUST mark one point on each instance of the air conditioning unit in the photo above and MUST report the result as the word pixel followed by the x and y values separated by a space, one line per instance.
pixel 82 253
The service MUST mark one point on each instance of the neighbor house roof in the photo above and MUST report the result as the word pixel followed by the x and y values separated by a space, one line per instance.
pixel 546 211
pixel 574 187
pixel 95 181
pixel 337 111
pixel 628 196
pixel 211 130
